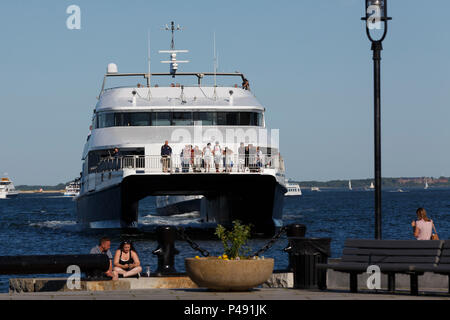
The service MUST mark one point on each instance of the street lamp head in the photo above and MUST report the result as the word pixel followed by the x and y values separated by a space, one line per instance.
pixel 376 19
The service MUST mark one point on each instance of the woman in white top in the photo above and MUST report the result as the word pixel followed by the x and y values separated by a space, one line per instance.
pixel 423 227
pixel 197 159
pixel 207 156
pixel 217 155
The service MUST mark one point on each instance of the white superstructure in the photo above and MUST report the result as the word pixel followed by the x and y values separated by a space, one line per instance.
pixel 72 189
pixel 293 189
pixel 7 189
pixel 123 160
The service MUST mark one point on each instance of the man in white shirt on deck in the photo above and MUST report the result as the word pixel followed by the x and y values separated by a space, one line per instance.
pixel 217 152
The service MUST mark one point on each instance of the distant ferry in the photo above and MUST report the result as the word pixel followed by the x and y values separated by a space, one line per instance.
pixel 315 189
pixel 72 189
pixel 293 189
pixel 7 189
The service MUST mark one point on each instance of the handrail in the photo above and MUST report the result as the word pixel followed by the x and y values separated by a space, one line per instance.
pixel 199 75
pixel 235 163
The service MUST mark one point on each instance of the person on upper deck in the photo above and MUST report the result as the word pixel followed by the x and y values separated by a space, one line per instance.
pixel 126 260
pixel 245 84
pixel 423 227
pixel 166 153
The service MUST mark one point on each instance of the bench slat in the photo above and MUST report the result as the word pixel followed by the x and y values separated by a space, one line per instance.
pixel 390 259
pixel 389 244
pixel 391 252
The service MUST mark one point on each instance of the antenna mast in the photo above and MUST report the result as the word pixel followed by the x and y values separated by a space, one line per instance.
pixel 173 53
pixel 215 68
pixel 149 62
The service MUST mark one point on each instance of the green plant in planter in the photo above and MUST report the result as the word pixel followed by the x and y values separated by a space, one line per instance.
pixel 234 241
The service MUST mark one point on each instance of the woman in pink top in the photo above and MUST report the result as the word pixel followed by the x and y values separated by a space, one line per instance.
pixel 423 227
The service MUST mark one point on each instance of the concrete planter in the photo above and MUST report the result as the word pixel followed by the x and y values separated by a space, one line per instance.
pixel 229 275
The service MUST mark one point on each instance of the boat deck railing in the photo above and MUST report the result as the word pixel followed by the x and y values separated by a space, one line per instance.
pixel 177 164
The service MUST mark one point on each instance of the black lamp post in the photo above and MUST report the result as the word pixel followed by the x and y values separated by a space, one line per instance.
pixel 376 28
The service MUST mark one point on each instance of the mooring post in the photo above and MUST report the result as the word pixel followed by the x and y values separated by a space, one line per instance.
pixel 293 230
pixel 166 250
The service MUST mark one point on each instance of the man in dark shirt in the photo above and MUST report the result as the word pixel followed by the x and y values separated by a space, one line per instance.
pixel 166 153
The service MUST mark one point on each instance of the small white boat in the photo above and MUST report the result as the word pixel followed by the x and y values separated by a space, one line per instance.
pixel 293 189
pixel 72 189
pixel 426 184
pixel 371 186
pixel 350 185
pixel 315 189
pixel 7 189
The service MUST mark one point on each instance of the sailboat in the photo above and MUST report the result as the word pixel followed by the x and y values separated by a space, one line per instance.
pixel 350 185
pixel 426 184
pixel 371 186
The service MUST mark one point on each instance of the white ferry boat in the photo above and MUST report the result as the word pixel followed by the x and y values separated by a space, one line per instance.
pixel 293 189
pixel 235 164
pixel 7 189
pixel 72 189
pixel 315 189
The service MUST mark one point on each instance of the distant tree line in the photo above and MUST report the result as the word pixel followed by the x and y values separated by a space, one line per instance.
pixel 386 182
pixel 60 186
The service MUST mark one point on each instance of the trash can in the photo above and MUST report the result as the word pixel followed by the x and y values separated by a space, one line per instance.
pixel 305 254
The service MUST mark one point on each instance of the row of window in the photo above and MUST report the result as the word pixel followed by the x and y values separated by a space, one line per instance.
pixel 143 119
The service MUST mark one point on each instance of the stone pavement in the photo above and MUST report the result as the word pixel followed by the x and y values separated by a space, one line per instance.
pixel 202 295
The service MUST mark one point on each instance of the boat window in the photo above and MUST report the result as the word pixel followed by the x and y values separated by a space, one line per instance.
pixel 106 120
pixel 140 119
pixel 206 118
pixel 182 119
pixel 227 118
pixel 161 118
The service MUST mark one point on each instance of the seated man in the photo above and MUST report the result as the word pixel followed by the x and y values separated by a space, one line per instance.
pixel 103 248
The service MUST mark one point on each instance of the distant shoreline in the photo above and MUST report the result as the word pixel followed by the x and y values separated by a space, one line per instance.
pixel 38 191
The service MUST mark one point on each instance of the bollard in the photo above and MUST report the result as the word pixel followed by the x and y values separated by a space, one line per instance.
pixel 306 254
pixel 296 230
pixel 166 250
pixel 293 230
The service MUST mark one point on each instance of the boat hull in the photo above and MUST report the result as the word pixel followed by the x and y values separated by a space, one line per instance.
pixel 254 199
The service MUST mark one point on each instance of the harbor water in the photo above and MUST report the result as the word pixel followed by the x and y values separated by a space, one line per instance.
pixel 36 224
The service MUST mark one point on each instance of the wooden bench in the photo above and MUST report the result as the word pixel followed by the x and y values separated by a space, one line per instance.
pixel 443 267
pixel 410 257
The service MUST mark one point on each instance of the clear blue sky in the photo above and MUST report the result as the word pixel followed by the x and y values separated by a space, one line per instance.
pixel 309 63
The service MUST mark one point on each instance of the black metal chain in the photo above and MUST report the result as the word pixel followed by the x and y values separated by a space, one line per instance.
pixel 271 242
pixel 193 245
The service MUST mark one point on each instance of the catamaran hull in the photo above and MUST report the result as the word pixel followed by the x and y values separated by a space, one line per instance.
pixel 254 199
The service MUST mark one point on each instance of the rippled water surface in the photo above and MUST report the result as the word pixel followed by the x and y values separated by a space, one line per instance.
pixel 46 224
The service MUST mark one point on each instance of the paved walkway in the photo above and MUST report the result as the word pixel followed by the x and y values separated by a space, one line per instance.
pixel 201 294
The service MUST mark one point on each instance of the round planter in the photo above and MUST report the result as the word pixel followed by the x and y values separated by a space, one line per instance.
pixel 229 275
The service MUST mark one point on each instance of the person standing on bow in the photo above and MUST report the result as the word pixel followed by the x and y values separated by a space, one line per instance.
pixel 166 154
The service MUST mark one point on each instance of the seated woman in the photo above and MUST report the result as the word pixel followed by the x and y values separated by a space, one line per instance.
pixel 126 260
pixel 423 227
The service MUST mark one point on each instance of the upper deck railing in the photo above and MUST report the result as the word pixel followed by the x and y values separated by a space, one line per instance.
pixel 199 75
pixel 177 164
